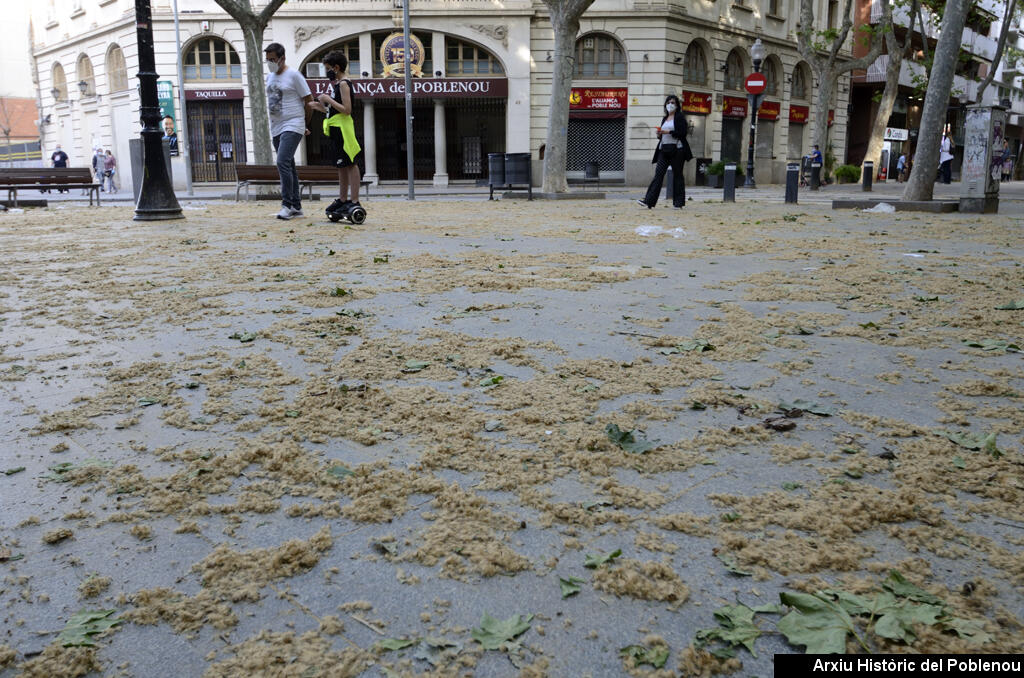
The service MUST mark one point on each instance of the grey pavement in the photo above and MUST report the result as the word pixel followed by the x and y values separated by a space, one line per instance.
pixel 212 382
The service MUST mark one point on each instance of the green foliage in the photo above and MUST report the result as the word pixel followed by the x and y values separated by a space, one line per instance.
pixel 717 168
pixel 85 624
pixel 848 174
pixel 629 441
pixel 493 633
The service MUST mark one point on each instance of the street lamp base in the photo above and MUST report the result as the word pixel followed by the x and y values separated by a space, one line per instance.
pixel 158 214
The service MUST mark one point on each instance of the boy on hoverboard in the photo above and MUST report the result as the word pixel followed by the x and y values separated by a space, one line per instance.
pixel 340 128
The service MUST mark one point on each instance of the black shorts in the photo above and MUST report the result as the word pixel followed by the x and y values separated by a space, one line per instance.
pixel 341 159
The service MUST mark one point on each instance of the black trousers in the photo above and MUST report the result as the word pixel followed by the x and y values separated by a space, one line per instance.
pixel 668 157
pixel 946 170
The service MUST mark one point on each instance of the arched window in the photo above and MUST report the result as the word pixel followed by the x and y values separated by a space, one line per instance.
pixel 599 56
pixel 468 59
pixel 771 75
pixel 734 75
pixel 351 51
pixel 60 83
pixel 695 68
pixel 799 83
pixel 212 59
pixel 117 73
pixel 85 75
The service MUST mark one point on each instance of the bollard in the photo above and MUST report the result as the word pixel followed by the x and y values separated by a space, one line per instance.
pixel 815 176
pixel 867 174
pixel 668 184
pixel 792 182
pixel 729 194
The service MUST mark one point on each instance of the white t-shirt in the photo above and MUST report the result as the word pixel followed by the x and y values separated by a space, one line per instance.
pixel 667 128
pixel 284 102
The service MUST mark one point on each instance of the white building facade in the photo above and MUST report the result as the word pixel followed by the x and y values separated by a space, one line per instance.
pixel 483 87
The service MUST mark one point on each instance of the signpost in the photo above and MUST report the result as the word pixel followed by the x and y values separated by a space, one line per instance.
pixel 755 84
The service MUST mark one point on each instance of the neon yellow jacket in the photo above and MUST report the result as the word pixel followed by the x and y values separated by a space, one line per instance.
pixel 344 122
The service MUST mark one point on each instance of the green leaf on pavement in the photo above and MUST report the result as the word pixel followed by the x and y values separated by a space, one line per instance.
pixel 1012 306
pixel 736 626
pixel 395 643
pixel 340 471
pixel 898 584
pixel 339 292
pixel 975 441
pixel 416 366
pixel 821 625
pixel 959 462
pixel 897 622
pixel 570 586
pixel 807 406
pixel 925 299
pixel 596 561
pixel 491 381
pixel 85 624
pixel 12 471
pixel 629 441
pixel 789 486
pixel 992 345
pixel 655 656
pixel 732 566
pixel 493 633
pixel 243 337
pixel 971 630
pixel 59 472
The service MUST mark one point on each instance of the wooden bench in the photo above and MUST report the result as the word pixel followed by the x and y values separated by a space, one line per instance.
pixel 13 179
pixel 309 176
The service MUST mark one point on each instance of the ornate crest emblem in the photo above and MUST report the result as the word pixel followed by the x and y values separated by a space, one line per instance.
pixel 392 56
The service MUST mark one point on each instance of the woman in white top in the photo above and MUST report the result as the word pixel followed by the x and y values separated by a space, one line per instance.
pixel 672 151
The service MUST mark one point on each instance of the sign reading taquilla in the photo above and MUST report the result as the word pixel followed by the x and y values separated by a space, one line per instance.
pixel 392 56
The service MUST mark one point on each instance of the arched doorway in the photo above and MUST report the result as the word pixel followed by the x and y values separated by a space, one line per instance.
pixel 216 119
pixel 799 110
pixel 597 106
pixel 735 107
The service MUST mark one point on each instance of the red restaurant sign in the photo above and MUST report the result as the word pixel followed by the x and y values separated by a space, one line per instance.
pixel 435 88
pixel 734 107
pixel 588 99
pixel 213 94
pixel 695 102
pixel 769 110
pixel 799 114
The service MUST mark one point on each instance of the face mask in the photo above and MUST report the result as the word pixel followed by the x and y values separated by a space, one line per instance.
pixel 671 108
pixel 271 67
pixel 332 74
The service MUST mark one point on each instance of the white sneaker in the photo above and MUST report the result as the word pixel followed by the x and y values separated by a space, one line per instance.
pixel 285 213
pixel 297 212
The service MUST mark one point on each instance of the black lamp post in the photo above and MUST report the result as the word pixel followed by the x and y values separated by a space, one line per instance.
pixel 157 201
pixel 757 55
pixel 83 87
pixel 56 94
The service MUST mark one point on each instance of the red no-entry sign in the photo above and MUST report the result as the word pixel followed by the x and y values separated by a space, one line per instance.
pixel 755 83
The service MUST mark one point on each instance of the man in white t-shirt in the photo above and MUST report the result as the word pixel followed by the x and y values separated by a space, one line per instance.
pixel 287 96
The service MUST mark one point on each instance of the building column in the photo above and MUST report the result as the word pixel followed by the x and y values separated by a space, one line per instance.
pixel 440 145
pixel 370 142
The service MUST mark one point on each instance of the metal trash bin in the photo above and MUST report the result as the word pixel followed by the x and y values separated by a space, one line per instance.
pixel 517 169
pixel 496 169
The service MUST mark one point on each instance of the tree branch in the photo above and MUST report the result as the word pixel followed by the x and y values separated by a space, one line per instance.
pixel 876 45
pixel 269 10
pixel 236 9
pixel 999 49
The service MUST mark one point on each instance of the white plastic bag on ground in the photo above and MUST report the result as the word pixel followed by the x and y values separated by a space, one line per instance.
pixel 647 231
pixel 882 208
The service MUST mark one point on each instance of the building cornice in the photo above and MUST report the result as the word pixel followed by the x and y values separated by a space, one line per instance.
pixel 88 35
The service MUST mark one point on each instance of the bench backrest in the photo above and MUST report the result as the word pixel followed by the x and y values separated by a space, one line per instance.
pixel 312 173
pixel 45 175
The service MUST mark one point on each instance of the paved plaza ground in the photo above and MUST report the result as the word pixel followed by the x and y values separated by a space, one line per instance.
pixel 645 442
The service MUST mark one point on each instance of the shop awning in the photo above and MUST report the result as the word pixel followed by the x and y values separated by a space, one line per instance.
pixel 602 115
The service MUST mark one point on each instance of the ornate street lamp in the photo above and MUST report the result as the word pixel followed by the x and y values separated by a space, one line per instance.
pixel 56 93
pixel 83 87
pixel 757 55
pixel 157 201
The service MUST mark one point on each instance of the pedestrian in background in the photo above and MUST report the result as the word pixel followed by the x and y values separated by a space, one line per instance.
pixel 59 159
pixel 672 151
pixel 901 168
pixel 946 158
pixel 109 171
pixel 97 165
pixel 288 96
